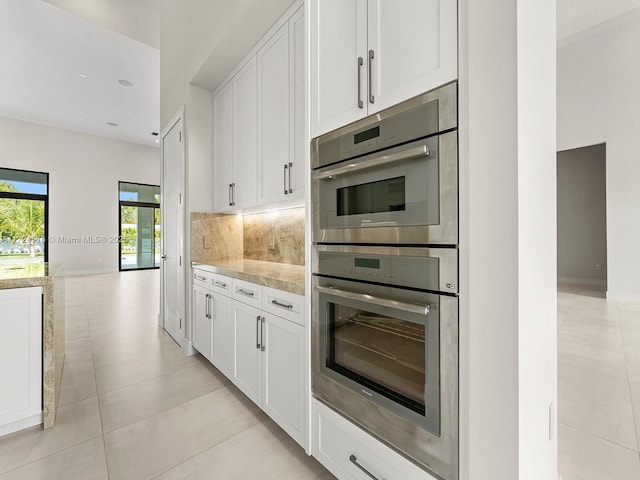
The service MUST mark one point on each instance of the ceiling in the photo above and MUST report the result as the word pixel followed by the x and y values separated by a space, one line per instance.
pixel 62 61
pixel 61 69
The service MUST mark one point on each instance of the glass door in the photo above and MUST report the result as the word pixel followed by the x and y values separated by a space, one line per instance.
pixel 139 226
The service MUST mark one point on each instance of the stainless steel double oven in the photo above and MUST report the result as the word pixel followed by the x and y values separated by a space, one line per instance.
pixel 385 276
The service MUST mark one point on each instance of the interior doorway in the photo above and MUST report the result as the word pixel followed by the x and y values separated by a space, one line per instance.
pixel 582 216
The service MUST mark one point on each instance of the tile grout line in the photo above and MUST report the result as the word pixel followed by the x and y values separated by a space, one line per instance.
pixel 626 364
pixel 566 425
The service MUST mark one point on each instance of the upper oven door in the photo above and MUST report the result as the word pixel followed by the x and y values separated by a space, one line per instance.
pixel 404 195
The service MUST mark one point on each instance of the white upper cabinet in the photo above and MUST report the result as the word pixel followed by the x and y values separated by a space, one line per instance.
pixel 223 148
pixel 267 126
pixel 235 142
pixel 281 101
pixel 367 55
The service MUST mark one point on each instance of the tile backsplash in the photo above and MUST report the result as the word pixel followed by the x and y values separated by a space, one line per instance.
pixel 276 236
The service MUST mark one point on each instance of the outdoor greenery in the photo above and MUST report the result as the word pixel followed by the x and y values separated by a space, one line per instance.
pixel 21 221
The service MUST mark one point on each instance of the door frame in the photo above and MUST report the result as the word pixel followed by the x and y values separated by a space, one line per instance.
pixel 178 117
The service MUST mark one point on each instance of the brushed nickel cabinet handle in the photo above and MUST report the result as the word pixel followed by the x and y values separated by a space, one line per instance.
pixel 283 305
pixel 262 342
pixel 290 167
pixel 246 292
pixel 371 97
pixel 360 102
pixel 257 332
pixel 354 460
pixel 284 179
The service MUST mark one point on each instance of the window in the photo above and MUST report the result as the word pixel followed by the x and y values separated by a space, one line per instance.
pixel 139 226
pixel 23 216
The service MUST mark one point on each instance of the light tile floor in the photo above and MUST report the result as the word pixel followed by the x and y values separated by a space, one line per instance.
pixel 598 385
pixel 132 406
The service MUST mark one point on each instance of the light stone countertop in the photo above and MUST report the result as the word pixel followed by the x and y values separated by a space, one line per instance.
pixel 50 277
pixel 281 276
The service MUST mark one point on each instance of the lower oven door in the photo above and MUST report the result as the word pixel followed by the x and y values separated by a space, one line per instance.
pixel 386 358
pixel 386 350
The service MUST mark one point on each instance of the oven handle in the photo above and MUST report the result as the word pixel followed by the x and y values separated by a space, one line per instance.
pixel 415 152
pixel 419 308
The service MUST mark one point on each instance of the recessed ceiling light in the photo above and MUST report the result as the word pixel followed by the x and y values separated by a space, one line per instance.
pixel 112 124
pixel 125 83
pixel 83 75
pixel 157 140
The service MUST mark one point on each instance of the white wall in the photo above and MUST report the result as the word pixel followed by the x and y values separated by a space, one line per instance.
pixel 508 239
pixel 84 171
pixel 599 102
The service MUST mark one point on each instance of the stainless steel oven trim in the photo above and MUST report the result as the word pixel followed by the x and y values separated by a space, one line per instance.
pixel 448 264
pixel 437 454
pixel 444 233
pixel 447 97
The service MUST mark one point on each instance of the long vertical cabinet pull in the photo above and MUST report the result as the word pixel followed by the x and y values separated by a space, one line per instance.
pixel 230 187
pixel 233 194
pixel 262 342
pixel 371 97
pixel 206 306
pixel 284 179
pixel 258 330
pixel 360 102
pixel 290 167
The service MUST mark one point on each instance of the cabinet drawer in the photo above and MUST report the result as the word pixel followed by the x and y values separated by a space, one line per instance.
pixel 346 450
pixel 221 284
pixel 247 292
pixel 201 278
pixel 283 304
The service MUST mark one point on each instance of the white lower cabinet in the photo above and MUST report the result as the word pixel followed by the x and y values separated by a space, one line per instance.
pixel 222 325
pixel 283 373
pixel 20 358
pixel 256 336
pixel 247 369
pixel 352 454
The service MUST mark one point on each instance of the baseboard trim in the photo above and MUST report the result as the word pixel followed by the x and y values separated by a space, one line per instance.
pixel 21 424
pixel 583 281
pixel 623 297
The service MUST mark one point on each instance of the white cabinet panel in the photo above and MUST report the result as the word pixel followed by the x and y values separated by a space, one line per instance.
pixel 275 117
pixel 284 374
pixel 223 148
pixel 20 358
pixel 245 136
pixel 222 324
pixel 338 42
pixel 247 371
pixel 414 48
pixel 299 144
pixel 202 320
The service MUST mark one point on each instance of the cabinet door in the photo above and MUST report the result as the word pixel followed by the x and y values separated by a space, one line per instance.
pixel 222 148
pixel 247 362
pixel 222 347
pixel 20 358
pixel 245 136
pixel 299 144
pixel 201 321
pixel 338 41
pixel 284 362
pixel 414 45
pixel 274 101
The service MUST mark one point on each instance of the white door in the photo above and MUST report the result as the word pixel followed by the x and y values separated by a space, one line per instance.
pixel 338 61
pixel 222 349
pixel 20 358
pixel 172 210
pixel 245 136
pixel 202 320
pixel 414 45
pixel 223 148
pixel 247 375
pixel 284 362
pixel 274 100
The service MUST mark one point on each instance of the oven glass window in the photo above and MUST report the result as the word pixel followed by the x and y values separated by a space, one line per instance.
pixel 382 196
pixel 384 354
